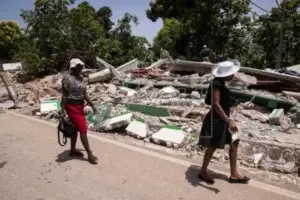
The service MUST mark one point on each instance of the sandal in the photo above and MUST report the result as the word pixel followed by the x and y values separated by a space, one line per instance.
pixel 244 180
pixel 75 154
pixel 206 179
pixel 93 159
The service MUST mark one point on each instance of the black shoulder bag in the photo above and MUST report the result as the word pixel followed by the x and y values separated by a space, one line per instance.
pixel 67 128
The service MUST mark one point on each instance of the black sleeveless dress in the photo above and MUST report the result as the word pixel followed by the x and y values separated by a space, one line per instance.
pixel 214 132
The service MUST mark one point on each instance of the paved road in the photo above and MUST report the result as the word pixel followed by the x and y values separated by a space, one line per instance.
pixel 33 166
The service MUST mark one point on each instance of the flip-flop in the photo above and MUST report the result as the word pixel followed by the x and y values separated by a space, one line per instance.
pixel 93 160
pixel 207 180
pixel 244 180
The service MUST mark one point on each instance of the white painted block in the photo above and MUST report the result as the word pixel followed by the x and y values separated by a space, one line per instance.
pixel 12 66
pixel 49 105
pixel 116 122
pixel 170 135
pixel 137 128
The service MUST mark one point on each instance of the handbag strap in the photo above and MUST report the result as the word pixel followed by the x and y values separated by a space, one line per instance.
pixel 64 142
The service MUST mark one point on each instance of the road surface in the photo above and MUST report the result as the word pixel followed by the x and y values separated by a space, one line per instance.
pixel 34 167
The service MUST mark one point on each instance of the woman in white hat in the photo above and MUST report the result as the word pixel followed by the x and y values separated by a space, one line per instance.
pixel 74 95
pixel 217 123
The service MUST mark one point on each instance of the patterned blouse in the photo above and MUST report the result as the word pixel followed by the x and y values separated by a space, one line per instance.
pixel 76 88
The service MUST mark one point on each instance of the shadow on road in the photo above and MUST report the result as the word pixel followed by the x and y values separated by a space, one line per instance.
pixel 192 177
pixel 64 157
pixel 2 164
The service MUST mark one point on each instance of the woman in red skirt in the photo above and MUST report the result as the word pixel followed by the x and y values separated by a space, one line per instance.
pixel 74 95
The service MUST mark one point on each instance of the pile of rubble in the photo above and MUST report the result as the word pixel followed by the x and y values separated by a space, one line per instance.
pixel 158 104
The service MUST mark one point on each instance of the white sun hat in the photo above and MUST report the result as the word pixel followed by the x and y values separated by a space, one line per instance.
pixel 74 62
pixel 225 69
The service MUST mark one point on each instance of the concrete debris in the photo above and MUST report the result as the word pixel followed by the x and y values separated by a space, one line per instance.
pixel 195 95
pixel 101 76
pixel 170 91
pixel 169 136
pixel 129 92
pixel 137 128
pixel 116 122
pixel 257 158
pixel 276 117
pixel 131 65
pixel 158 63
pixel 168 95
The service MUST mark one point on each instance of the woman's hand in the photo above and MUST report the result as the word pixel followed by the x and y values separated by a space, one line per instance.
pixel 232 126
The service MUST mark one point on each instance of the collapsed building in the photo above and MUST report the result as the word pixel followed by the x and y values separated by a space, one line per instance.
pixel 164 104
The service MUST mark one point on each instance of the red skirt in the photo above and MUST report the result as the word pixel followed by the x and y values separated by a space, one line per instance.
pixel 76 116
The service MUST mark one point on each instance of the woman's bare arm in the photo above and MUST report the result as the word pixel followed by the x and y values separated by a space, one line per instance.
pixel 88 100
pixel 216 105
pixel 63 100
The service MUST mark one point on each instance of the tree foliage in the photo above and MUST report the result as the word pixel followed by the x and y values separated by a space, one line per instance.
pixel 226 27
pixel 214 23
pixel 10 35
pixel 55 32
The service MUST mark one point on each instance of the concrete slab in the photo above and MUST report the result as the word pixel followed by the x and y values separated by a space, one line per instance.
pixel 169 135
pixel 103 75
pixel 131 65
pixel 110 67
pixel 158 63
pixel 137 128
pixel 116 122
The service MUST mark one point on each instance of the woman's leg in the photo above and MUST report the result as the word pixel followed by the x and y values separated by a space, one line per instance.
pixel 85 142
pixel 73 151
pixel 233 162
pixel 206 160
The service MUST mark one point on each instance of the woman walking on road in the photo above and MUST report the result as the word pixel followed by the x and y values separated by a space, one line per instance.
pixel 217 123
pixel 73 97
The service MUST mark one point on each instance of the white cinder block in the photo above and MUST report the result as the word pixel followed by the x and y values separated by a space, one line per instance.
pixel 170 136
pixel 116 122
pixel 138 129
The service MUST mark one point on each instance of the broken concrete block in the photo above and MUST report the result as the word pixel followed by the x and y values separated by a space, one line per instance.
pixel 129 92
pixel 257 157
pixel 276 117
pixel 116 122
pixel 49 105
pixel 158 63
pixel 195 95
pixel 103 75
pixel 170 90
pixel 170 136
pixel 102 62
pixel 138 128
pixel 131 65
pixel 112 89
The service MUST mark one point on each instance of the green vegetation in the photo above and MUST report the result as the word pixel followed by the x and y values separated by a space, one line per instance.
pixel 55 32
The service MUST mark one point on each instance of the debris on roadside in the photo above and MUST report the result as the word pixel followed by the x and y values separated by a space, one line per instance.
pixel 162 104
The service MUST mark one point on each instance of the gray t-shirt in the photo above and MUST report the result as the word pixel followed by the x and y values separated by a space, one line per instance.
pixel 76 87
